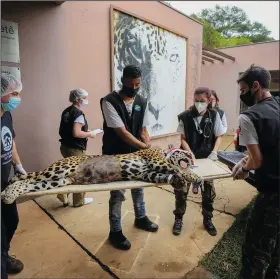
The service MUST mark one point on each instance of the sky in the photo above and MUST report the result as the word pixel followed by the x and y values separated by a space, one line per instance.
pixel 266 12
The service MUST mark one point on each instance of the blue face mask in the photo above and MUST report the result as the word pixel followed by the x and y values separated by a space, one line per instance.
pixel 12 104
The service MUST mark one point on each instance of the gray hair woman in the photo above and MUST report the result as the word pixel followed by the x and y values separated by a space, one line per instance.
pixel 74 135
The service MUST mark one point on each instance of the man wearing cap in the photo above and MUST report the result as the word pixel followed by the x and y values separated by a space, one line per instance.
pixel 74 134
pixel 10 100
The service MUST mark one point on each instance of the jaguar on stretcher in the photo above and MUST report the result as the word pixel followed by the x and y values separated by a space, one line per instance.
pixel 154 165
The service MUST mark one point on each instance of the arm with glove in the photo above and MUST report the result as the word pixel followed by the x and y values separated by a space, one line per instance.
pixel 78 133
pixel 238 171
pixel 213 155
pixel 16 160
pixel 251 162
pixel 94 133
pixel 219 131
pixel 248 137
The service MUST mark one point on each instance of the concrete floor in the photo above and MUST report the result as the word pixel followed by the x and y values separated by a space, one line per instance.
pixel 58 242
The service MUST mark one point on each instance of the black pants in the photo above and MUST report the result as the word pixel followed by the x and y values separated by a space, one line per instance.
pixel 260 257
pixel 9 223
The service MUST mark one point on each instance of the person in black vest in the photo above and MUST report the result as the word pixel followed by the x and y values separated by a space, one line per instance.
pixel 216 106
pixel 74 134
pixel 259 131
pixel 10 100
pixel 201 134
pixel 125 122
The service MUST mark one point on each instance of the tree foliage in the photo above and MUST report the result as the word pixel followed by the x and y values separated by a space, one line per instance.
pixel 226 26
pixel 213 38
pixel 233 22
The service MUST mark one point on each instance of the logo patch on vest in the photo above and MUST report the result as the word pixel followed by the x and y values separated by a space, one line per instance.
pixel 137 108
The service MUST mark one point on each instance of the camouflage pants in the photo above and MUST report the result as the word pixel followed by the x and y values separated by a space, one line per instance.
pixel 208 195
pixel 260 255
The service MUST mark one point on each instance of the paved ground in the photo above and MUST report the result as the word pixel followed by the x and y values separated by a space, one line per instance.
pixel 58 242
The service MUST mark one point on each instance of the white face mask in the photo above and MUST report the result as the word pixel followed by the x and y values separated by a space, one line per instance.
pixel 83 102
pixel 200 106
pixel 213 104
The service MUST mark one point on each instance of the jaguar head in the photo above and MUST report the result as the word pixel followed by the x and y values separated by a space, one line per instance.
pixel 178 157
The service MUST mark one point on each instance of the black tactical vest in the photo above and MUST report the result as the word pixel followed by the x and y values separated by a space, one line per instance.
pixel 221 112
pixel 68 117
pixel 112 143
pixel 265 117
pixel 200 145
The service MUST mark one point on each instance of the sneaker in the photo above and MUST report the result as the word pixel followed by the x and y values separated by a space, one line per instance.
pixel 88 201
pixel 209 227
pixel 195 188
pixel 63 198
pixel 145 224
pixel 85 202
pixel 14 266
pixel 119 241
pixel 177 227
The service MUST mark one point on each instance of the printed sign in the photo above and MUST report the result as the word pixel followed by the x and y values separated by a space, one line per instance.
pixel 15 71
pixel 9 42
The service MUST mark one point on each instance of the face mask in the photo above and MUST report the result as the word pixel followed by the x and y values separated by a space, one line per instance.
pixel 248 98
pixel 129 92
pixel 213 104
pixel 83 102
pixel 200 106
pixel 12 104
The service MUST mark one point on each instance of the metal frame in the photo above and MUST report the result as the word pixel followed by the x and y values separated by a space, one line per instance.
pixel 112 77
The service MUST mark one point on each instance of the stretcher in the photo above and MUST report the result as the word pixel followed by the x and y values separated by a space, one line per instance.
pixel 205 168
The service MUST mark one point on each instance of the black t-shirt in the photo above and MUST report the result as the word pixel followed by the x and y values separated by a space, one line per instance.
pixel 7 136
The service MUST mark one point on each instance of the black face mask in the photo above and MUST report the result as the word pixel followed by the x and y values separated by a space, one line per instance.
pixel 248 98
pixel 129 92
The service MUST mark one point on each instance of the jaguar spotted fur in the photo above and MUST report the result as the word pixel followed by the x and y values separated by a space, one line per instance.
pixel 150 165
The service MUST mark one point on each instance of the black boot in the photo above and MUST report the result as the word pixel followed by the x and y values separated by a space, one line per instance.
pixel 209 227
pixel 14 266
pixel 177 227
pixel 145 224
pixel 119 241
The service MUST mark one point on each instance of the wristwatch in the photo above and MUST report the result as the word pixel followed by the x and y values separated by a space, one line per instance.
pixel 244 170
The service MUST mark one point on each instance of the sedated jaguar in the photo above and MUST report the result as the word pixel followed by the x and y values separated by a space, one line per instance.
pixel 151 165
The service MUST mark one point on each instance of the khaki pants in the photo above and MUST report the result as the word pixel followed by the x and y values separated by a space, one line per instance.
pixel 78 198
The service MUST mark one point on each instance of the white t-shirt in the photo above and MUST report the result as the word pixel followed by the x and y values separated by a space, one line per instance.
pixel 224 122
pixel 219 129
pixel 247 131
pixel 112 118
pixel 80 120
